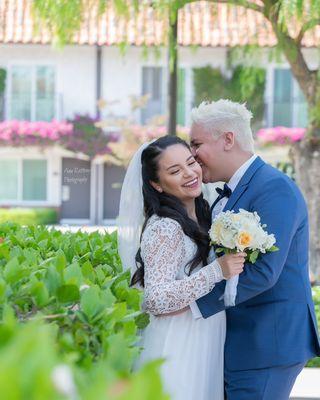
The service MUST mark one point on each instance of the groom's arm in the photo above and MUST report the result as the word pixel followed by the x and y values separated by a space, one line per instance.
pixel 277 205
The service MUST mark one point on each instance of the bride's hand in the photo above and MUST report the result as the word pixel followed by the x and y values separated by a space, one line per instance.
pixel 231 264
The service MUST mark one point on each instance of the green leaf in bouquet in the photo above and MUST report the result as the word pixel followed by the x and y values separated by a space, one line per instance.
pixel 273 249
pixel 219 250
pixel 253 256
pixel 68 294
pixel 142 320
pixel 72 274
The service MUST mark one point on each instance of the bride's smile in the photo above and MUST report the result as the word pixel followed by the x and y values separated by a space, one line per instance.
pixel 179 174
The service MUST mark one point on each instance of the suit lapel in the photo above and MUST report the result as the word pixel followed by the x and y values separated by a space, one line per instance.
pixel 243 184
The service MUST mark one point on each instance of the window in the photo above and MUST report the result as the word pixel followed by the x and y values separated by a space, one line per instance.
pixel 31 93
pixel 23 180
pixel 289 105
pixel 8 180
pixel 154 83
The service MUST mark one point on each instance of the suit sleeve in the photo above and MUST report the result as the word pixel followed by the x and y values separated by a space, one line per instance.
pixel 277 206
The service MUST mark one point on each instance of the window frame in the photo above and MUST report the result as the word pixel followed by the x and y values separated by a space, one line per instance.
pixel 269 95
pixel 33 94
pixel 20 201
pixel 165 76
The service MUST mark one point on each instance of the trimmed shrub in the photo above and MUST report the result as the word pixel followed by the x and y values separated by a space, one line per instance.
pixel 29 216
pixel 68 319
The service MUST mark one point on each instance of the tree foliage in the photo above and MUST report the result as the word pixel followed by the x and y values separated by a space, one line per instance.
pixel 291 21
pixel 246 84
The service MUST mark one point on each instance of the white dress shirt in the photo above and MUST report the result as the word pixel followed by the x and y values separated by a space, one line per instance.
pixel 218 208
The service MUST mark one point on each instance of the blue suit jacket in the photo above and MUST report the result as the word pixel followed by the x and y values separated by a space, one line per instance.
pixel 273 322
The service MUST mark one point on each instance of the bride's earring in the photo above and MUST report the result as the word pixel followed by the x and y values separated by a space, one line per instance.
pixel 159 189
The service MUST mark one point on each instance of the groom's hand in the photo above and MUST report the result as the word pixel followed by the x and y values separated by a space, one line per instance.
pixel 231 264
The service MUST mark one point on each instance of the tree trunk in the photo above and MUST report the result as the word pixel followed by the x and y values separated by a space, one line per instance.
pixel 173 75
pixel 306 160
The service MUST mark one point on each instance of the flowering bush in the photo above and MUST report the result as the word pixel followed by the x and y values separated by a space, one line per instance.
pixel 131 137
pixel 79 135
pixel 26 133
pixel 87 137
pixel 280 135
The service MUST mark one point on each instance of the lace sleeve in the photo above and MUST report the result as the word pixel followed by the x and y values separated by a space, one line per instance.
pixel 164 253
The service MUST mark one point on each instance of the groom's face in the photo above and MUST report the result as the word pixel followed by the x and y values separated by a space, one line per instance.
pixel 209 152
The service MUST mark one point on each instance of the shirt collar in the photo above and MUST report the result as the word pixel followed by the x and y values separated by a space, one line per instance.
pixel 235 179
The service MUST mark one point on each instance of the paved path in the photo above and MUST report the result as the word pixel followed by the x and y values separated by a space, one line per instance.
pixel 307 385
pixel 84 228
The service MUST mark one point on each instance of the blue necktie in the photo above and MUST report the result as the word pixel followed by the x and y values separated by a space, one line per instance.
pixel 225 192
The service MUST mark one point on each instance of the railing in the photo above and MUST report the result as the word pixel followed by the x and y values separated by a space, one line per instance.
pixel 31 108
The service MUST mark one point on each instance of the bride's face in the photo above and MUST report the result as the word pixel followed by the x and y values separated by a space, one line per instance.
pixel 179 173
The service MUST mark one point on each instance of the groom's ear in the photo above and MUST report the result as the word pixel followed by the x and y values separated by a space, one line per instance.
pixel 229 140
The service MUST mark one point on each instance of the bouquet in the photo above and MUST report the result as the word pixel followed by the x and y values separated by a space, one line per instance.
pixel 232 232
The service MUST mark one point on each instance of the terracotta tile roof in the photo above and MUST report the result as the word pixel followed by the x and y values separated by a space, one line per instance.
pixel 201 23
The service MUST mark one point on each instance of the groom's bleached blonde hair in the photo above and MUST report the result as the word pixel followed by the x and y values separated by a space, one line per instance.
pixel 223 116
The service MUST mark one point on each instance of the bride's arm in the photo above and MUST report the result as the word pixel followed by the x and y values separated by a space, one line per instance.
pixel 163 249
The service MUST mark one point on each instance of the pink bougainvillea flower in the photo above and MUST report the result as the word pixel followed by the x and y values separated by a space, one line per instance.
pixel 280 135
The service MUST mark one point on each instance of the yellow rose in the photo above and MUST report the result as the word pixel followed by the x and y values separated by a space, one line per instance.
pixel 244 239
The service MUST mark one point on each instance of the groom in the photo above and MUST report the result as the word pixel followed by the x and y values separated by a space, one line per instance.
pixel 271 331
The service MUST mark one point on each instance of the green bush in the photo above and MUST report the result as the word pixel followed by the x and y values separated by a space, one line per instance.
pixel 65 300
pixel 29 216
pixel 315 362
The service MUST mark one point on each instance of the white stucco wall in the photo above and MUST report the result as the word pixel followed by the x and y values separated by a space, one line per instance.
pixel 75 72
pixel 54 156
pixel 122 75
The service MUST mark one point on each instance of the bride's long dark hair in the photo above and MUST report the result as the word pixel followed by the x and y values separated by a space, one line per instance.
pixel 165 205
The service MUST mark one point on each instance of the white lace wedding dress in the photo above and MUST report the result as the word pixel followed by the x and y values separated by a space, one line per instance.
pixel 192 348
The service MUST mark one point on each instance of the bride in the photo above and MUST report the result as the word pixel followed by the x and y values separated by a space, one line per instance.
pixel 162 192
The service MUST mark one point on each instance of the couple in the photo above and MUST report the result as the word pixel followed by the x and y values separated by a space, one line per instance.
pixel 256 349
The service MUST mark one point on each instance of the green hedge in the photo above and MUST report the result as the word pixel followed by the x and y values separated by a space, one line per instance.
pixel 65 305
pixel 29 216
